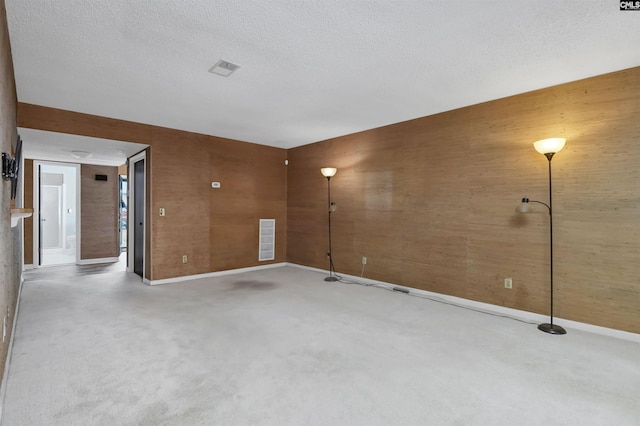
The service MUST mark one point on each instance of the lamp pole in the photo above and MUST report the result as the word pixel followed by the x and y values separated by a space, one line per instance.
pixel 329 172
pixel 551 327
pixel 548 147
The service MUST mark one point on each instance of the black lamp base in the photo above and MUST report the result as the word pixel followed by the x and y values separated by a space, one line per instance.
pixel 331 279
pixel 552 329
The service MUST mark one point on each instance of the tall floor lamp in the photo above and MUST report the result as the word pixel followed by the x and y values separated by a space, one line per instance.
pixel 548 147
pixel 329 172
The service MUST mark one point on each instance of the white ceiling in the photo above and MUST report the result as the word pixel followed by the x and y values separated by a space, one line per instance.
pixel 310 69
pixel 52 146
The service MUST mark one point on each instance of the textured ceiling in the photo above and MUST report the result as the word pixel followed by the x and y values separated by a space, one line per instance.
pixel 310 69
pixel 52 146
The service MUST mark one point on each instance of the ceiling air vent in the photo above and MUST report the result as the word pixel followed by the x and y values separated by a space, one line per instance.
pixel 223 68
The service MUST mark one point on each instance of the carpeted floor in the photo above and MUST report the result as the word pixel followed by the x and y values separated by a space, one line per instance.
pixel 283 347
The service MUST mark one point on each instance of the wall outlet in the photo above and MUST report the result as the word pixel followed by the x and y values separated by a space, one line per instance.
pixel 162 212
pixel 184 259
pixel 508 283
pixel 364 260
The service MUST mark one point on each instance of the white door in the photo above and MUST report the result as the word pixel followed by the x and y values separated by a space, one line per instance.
pixel 56 192
pixel 51 217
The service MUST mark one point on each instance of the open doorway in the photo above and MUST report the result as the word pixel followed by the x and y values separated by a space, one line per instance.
pixel 56 194
pixel 106 227
pixel 136 214
pixel 123 211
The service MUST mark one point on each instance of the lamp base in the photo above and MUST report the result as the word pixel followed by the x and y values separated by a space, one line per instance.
pixel 552 329
pixel 331 279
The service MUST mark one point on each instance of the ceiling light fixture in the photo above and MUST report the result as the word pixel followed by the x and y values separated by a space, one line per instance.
pixel 224 68
pixel 81 154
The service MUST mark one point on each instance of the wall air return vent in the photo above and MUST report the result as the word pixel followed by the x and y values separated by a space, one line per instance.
pixel 267 244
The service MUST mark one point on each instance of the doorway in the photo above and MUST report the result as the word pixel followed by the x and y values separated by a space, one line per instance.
pixel 136 214
pixel 57 222
pixel 122 212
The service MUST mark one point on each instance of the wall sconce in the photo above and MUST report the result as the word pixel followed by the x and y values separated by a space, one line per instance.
pixel 329 172
pixel 547 147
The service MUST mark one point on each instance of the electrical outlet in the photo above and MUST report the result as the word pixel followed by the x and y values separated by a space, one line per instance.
pixel 184 259
pixel 162 212
pixel 364 260
pixel 508 283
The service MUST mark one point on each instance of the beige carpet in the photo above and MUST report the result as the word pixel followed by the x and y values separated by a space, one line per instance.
pixel 283 347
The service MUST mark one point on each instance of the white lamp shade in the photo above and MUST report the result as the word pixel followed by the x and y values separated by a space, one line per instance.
pixel 551 145
pixel 328 171
pixel 523 208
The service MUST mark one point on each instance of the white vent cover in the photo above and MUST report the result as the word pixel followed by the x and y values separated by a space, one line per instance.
pixel 223 68
pixel 267 245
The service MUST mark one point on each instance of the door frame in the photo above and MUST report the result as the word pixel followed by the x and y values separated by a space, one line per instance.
pixel 37 261
pixel 131 184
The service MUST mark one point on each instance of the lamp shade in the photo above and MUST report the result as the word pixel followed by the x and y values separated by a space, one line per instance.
pixel 524 206
pixel 548 146
pixel 328 171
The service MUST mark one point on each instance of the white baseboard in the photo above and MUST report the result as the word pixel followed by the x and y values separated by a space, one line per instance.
pixel 29 266
pixel 493 309
pixel 7 362
pixel 95 261
pixel 212 274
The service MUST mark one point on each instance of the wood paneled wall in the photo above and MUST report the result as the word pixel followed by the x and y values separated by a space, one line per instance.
pixel 216 228
pixel 99 237
pixel 10 246
pixel 431 202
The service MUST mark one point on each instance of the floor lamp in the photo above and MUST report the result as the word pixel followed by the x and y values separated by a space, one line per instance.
pixel 548 147
pixel 329 172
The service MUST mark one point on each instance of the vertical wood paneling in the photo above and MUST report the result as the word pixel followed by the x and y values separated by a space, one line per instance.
pixel 431 202
pixel 253 187
pixel 99 212
pixel 179 186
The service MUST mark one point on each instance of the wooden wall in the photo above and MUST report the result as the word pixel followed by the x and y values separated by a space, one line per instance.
pixel 10 238
pixel 216 228
pixel 99 237
pixel 431 202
